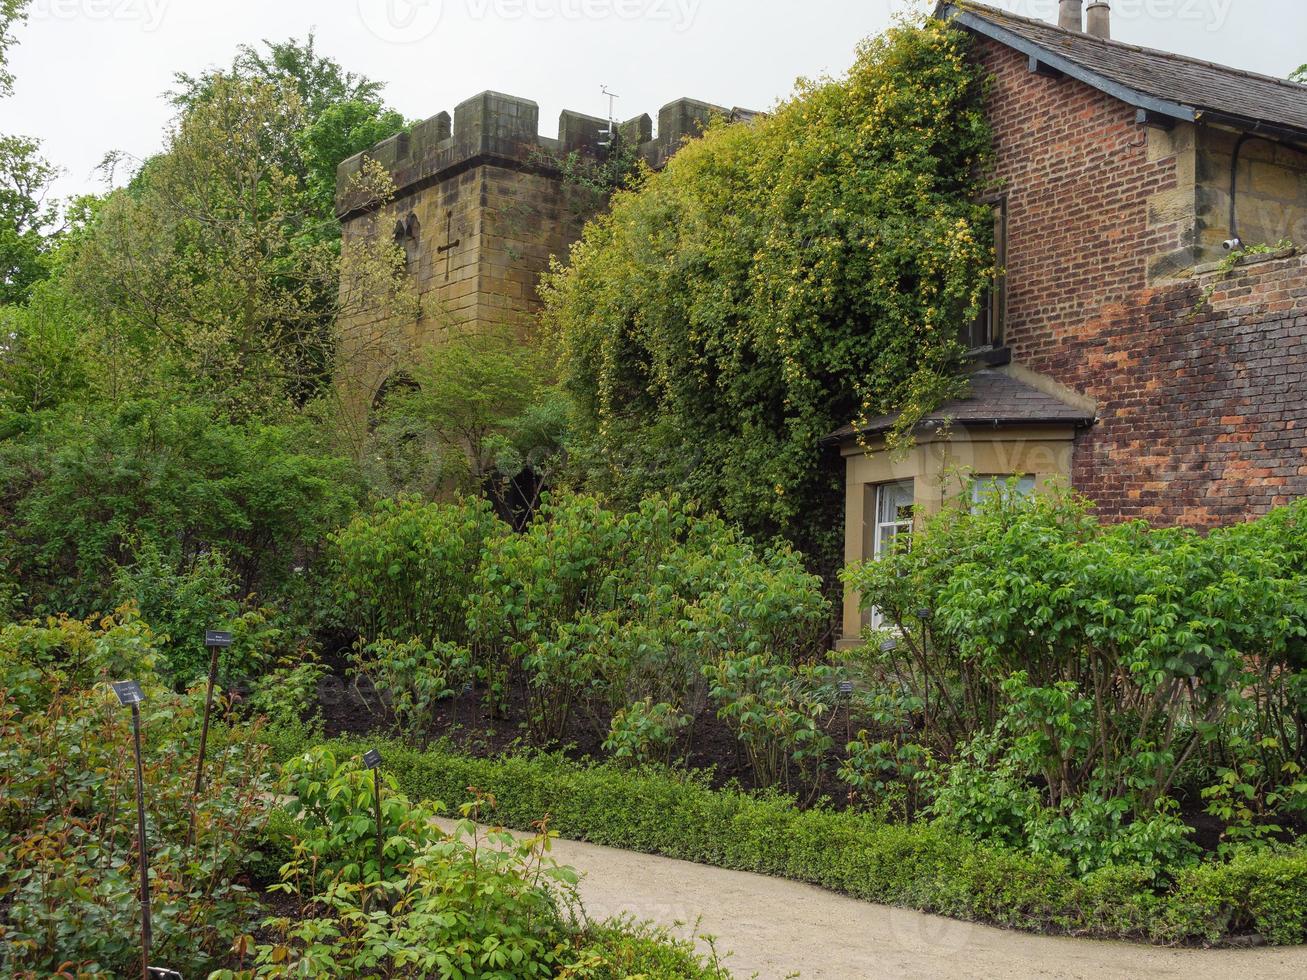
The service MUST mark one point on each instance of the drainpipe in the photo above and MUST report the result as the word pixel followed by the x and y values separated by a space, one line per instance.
pixel 1100 20
pixel 1070 16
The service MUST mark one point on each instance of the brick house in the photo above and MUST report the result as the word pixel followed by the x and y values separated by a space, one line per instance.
pixel 1117 355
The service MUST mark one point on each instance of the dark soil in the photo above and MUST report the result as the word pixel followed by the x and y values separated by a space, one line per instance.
pixel 468 723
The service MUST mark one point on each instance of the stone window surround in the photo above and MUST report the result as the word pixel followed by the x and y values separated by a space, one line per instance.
pixel 941 465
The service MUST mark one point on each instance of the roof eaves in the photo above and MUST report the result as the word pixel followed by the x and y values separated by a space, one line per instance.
pixel 1141 100
pixel 847 433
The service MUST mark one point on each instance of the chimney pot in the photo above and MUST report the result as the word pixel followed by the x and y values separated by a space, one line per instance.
pixel 1100 19
pixel 1070 16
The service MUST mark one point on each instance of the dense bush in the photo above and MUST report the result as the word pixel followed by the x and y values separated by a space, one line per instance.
pixel 777 280
pixel 920 866
pixel 88 491
pixel 1083 678
pixel 462 904
pixel 68 871
pixel 589 611
pixel 406 571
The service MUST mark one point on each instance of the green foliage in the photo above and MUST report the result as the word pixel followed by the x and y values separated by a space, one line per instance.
pixel 645 732
pixel 406 570
pixel 38 659
pixel 923 866
pixel 334 837
pixel 776 711
pixel 85 490
pixel 182 606
pixel 1300 75
pixel 778 280
pixel 12 12
pixel 409 680
pixel 26 216
pixel 68 865
pixel 1109 666
pixel 469 902
pixel 343 112
pixel 589 611
pixel 476 414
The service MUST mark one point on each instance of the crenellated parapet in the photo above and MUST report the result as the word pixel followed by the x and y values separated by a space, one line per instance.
pixel 505 130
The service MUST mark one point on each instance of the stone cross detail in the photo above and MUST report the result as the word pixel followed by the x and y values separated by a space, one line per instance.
pixel 450 242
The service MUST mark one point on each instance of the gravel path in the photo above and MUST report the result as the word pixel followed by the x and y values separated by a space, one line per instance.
pixel 778 928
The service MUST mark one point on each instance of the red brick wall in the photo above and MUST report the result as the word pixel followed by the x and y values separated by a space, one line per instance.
pixel 1202 419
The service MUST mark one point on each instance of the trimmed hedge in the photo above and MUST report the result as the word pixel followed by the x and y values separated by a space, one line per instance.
pixel 918 866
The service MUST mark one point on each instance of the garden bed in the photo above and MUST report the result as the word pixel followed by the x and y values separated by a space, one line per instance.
pixel 1252 899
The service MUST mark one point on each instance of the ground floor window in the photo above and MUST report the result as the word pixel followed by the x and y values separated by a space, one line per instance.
pixel 893 522
pixel 893 514
pixel 985 486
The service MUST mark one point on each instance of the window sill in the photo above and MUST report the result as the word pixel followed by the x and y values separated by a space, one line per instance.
pixel 990 356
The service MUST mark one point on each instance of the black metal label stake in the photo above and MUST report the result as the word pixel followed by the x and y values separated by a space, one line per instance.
pixel 372 759
pixel 130 696
pixel 216 641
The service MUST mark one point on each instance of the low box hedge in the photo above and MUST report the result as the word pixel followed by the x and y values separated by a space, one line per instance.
pixel 918 866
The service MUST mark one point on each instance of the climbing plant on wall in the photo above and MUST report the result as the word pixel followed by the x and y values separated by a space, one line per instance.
pixel 778 280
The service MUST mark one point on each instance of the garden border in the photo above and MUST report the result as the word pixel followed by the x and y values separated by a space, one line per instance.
pixel 1254 897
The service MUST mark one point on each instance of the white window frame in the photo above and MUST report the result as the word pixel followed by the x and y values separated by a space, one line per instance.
pixel 880 542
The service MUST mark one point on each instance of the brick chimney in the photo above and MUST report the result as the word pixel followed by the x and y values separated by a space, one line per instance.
pixel 1070 15
pixel 1100 19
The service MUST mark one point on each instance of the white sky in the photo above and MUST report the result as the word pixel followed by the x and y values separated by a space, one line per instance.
pixel 91 72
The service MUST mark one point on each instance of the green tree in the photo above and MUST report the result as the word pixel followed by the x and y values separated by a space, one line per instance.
pixel 1300 75
pixel 12 13
pixel 344 113
pixel 778 280
pixel 217 260
pixel 477 413
pixel 26 216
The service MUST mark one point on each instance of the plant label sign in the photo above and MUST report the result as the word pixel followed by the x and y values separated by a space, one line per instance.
pixel 372 759
pixel 846 688
pixel 129 693
pixel 217 638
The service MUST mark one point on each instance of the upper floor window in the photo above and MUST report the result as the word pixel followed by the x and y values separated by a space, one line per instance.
pixel 986 330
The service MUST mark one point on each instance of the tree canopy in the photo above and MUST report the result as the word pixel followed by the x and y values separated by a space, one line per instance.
pixel 778 280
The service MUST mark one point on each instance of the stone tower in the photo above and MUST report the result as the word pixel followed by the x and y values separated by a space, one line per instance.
pixel 481 205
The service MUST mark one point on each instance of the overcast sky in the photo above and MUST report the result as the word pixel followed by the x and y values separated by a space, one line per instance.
pixel 91 72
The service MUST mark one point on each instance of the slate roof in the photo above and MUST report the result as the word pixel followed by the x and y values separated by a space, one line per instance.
pixel 995 399
pixel 1168 84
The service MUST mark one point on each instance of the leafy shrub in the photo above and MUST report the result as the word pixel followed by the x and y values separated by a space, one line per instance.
pixel 410 679
pixel 645 732
pixel 86 490
pixel 406 570
pixel 182 606
pixel 1104 666
pixel 776 711
pixel 68 865
pixel 290 693
pixel 333 804
pixel 470 903
pixel 776 281
pixel 922 866
pixel 590 611
pixel 37 659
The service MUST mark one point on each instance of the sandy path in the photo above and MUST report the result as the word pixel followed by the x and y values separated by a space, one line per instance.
pixel 777 928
